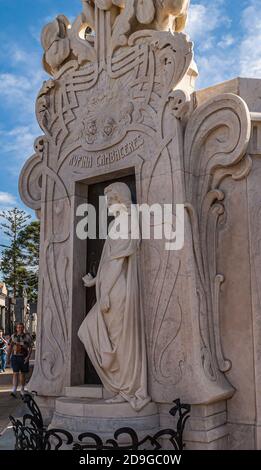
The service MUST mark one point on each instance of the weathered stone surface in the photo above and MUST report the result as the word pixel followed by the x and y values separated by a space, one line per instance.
pixel 121 102
pixel 237 238
pixel 102 418
pixel 113 114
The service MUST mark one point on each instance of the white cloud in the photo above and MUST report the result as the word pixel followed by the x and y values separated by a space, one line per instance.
pixel 17 147
pixel 7 198
pixel 211 52
pixel 19 86
pixel 16 91
pixel 226 41
pixel 7 201
pixel 223 53
pixel 18 140
pixel 22 78
pixel 250 49
pixel 202 20
pixel 19 91
pixel 205 17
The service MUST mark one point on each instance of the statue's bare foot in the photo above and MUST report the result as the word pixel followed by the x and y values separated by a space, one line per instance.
pixel 116 399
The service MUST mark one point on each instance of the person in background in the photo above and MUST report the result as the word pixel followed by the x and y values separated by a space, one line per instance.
pixel 33 335
pixel 3 353
pixel 20 350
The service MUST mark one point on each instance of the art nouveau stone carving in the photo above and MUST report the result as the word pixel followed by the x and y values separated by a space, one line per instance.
pixel 156 14
pixel 84 111
pixel 86 108
pixel 120 102
pixel 218 133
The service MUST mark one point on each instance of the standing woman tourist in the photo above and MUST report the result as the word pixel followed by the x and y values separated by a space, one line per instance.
pixel 3 346
pixel 20 350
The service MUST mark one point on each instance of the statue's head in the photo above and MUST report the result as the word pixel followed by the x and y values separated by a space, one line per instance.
pixel 118 197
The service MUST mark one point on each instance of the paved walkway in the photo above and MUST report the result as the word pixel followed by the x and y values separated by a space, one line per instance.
pixel 8 406
pixel 6 378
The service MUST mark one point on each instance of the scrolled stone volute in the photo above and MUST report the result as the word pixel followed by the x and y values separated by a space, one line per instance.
pixel 30 181
pixel 216 140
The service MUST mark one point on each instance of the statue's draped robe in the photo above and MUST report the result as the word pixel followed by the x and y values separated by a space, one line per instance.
pixel 115 341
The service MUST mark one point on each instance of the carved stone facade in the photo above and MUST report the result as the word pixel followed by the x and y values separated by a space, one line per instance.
pixel 121 101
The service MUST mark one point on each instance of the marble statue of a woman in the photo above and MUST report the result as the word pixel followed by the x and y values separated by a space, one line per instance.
pixel 113 331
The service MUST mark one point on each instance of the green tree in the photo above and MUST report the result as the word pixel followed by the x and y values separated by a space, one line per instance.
pixel 29 241
pixel 13 265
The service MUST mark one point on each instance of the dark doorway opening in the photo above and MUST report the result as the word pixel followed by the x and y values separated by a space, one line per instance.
pixel 94 251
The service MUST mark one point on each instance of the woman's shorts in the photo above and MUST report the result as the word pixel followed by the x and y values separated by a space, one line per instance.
pixel 18 365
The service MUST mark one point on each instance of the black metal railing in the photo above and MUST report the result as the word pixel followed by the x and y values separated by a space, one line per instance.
pixel 31 434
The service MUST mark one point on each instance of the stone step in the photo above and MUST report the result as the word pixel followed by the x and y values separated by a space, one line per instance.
pixel 99 407
pixel 87 391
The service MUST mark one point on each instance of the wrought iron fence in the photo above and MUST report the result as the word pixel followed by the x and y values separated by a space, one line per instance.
pixel 31 434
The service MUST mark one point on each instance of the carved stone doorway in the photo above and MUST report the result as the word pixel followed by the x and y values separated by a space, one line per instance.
pixel 94 251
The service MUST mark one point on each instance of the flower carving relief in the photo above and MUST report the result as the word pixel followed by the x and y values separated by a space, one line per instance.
pixel 108 4
pixel 31 177
pixel 56 43
pixel 89 131
pixel 106 122
pixel 109 127
pixel 62 43
pixel 44 105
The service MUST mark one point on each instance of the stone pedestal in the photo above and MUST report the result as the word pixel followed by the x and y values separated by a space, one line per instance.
pixel 80 415
pixel 207 427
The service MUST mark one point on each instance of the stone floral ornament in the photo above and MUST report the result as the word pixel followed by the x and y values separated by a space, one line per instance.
pixel 108 4
pixel 56 43
pixel 106 122
pixel 155 13
pixel 62 41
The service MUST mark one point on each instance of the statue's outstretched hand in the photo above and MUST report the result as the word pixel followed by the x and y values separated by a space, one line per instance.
pixel 105 303
pixel 89 281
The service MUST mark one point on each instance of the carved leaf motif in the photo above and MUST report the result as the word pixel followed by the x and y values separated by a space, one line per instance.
pixel 56 43
pixel 82 49
pixel 173 56
pixel 44 105
pixel 122 26
pixel 120 3
pixel 104 4
pixel 180 103
pixel 217 135
pixel 30 181
pixel 58 53
pixel 145 11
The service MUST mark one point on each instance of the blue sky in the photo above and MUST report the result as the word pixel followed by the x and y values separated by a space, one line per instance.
pixel 226 33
